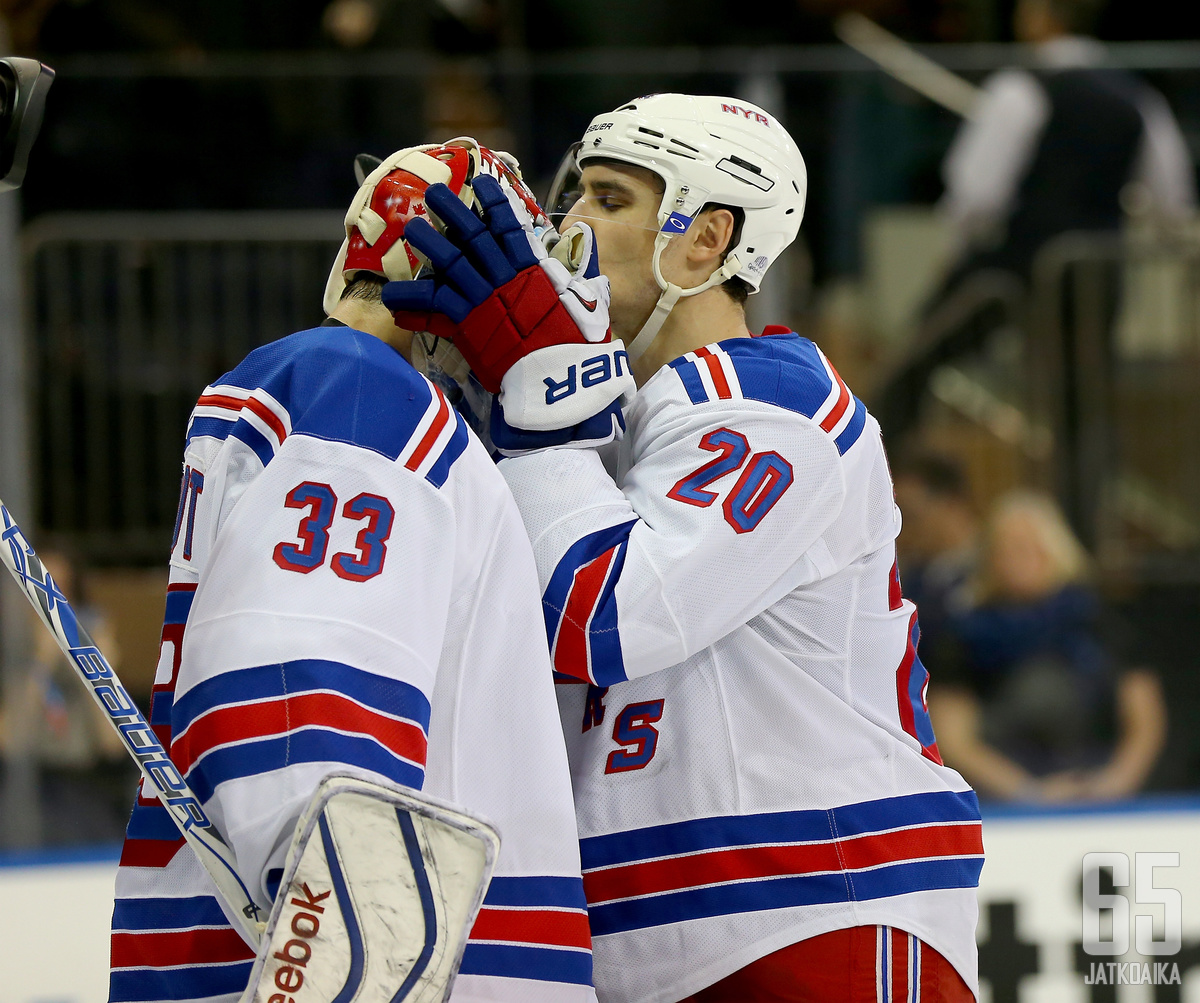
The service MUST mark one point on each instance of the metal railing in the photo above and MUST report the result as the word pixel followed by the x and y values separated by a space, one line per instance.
pixel 972 313
pixel 973 57
pixel 128 317
pixel 1115 367
pixel 1098 398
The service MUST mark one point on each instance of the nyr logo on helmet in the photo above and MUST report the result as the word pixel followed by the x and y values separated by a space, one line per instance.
pixel 750 113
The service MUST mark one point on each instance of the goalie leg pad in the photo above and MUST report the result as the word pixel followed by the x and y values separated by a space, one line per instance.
pixel 379 893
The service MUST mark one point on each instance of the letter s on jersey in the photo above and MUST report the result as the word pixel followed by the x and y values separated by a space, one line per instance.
pixel 635 727
pixel 313 531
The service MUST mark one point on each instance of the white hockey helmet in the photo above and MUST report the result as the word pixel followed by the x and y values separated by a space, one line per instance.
pixel 707 150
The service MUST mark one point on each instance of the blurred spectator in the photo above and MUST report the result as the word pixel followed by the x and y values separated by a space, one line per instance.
pixel 451 27
pixel 1063 147
pixel 938 543
pixel 84 774
pixel 352 23
pixel 1036 705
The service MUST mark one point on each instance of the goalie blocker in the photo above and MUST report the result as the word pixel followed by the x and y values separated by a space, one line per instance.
pixel 380 890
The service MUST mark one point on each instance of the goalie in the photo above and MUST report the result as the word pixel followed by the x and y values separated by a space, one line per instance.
pixel 352 593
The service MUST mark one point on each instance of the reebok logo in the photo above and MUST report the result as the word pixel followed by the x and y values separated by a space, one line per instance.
pixel 297 952
pixel 310 901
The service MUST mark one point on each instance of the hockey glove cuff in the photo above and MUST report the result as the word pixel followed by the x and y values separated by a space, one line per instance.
pixel 598 430
pixel 562 385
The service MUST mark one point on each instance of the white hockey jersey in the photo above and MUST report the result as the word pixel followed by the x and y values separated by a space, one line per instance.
pixel 350 587
pixel 752 757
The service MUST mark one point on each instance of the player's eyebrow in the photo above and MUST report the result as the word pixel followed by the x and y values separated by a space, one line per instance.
pixel 610 186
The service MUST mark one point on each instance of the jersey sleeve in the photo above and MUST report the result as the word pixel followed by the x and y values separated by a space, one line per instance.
pixel 720 516
pixel 313 638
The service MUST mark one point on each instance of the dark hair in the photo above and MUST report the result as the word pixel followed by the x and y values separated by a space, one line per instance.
pixel 737 289
pixel 364 286
pixel 939 475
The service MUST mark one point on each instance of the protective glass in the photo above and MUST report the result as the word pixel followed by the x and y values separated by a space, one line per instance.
pixel 566 195
pixel 567 187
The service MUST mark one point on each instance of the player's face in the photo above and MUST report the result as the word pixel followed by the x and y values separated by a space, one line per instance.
pixel 621 205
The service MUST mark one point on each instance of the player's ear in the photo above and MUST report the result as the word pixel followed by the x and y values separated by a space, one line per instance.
pixel 713 233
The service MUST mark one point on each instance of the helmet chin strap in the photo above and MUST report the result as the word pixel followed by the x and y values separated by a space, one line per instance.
pixel 672 294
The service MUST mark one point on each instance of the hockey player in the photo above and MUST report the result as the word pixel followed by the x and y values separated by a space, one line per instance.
pixel 351 590
pixel 763 810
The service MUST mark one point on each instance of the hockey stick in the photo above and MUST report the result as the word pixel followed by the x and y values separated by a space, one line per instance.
pixel 906 64
pixel 159 773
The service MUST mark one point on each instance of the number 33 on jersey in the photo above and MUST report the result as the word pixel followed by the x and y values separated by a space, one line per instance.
pixel 308 551
pixel 321 505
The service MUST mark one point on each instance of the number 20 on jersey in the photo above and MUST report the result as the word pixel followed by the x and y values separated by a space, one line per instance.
pixel 321 505
pixel 764 479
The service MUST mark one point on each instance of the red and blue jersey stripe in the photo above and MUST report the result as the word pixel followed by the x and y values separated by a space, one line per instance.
pixel 255 720
pixel 580 608
pixel 251 415
pixel 152 839
pixel 340 385
pixel 912 685
pixel 778 368
pixel 746 863
pixel 532 928
pixel 175 949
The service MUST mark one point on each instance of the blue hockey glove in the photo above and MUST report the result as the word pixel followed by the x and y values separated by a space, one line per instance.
pixel 531 328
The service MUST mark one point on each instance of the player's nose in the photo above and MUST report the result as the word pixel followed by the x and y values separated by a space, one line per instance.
pixel 574 215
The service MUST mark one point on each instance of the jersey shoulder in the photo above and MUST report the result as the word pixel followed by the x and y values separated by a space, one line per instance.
pixel 337 384
pixel 779 368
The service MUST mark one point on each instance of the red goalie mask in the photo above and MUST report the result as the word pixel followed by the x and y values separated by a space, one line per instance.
pixel 394 193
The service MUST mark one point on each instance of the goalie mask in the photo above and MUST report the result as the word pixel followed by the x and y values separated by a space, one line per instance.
pixel 707 151
pixel 394 193
pixel 390 195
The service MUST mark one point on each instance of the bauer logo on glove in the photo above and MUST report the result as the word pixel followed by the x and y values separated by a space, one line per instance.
pixel 504 300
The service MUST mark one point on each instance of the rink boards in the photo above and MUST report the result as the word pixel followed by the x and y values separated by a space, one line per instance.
pixel 56 907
